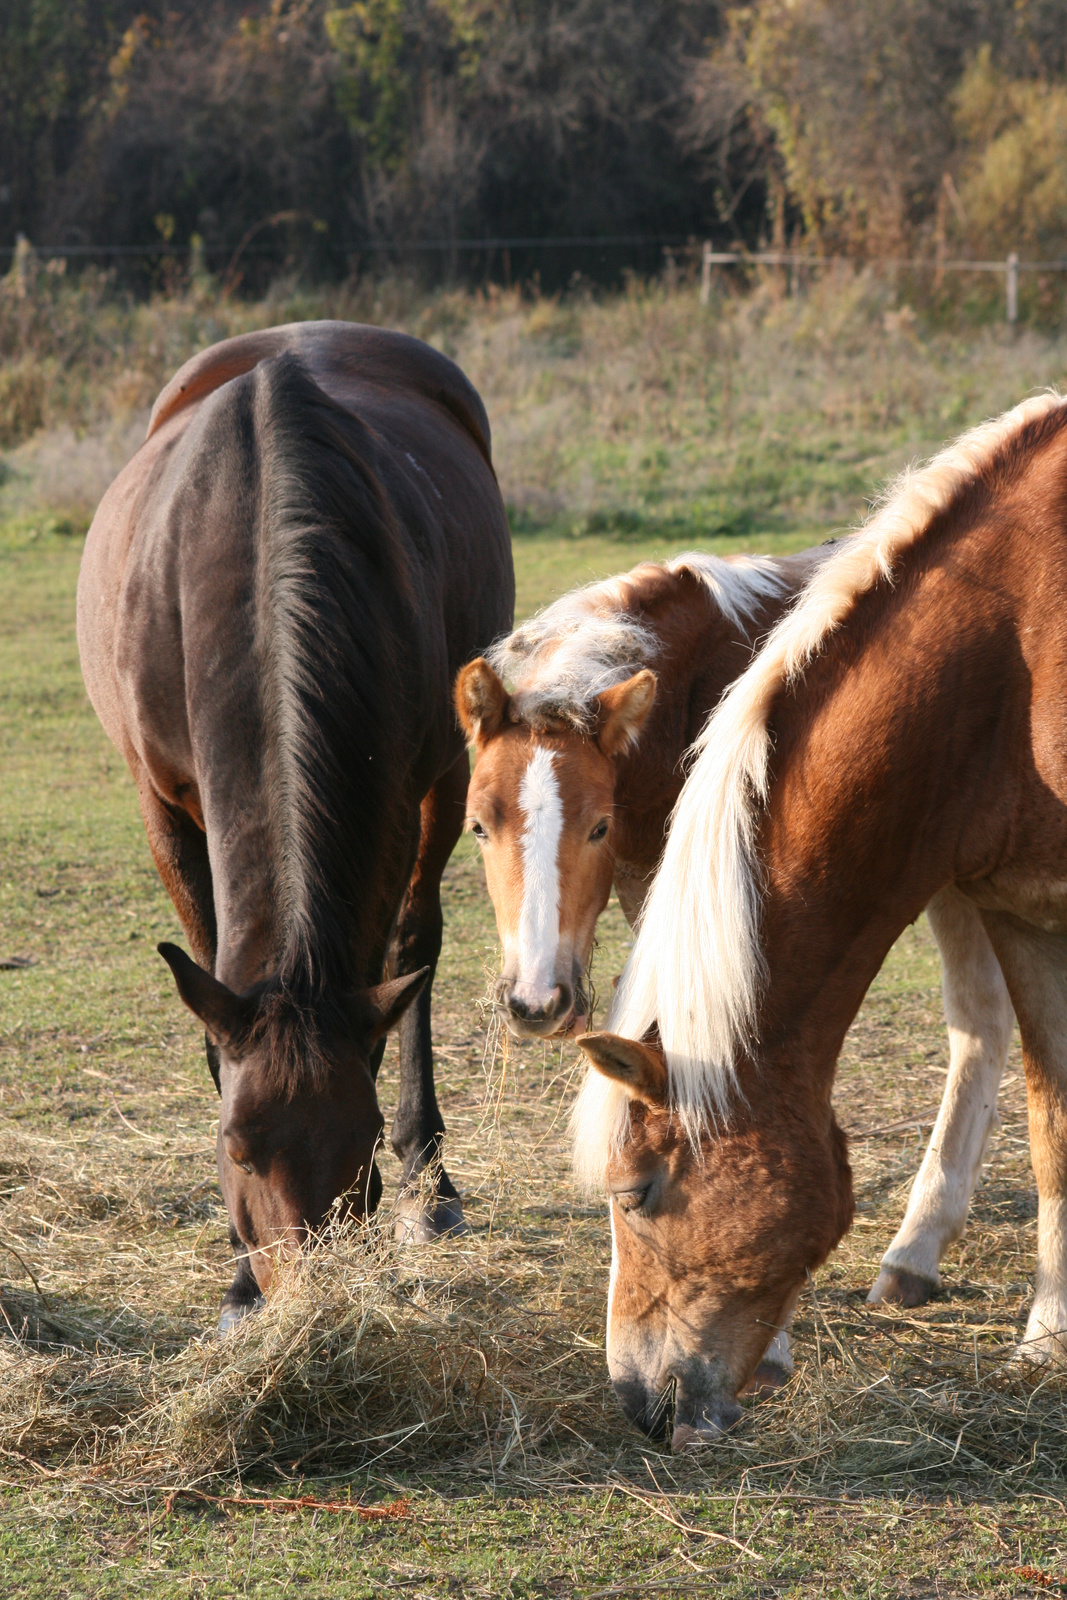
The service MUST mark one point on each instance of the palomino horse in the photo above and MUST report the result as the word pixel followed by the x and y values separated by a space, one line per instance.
pixel 276 594
pixel 903 729
pixel 580 765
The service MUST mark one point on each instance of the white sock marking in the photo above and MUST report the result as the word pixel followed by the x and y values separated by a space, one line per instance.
pixel 539 800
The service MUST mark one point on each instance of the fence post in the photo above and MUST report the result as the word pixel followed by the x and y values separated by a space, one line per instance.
pixel 1012 285
pixel 705 274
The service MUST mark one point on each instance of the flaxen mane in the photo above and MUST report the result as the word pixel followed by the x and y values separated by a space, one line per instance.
pixel 587 641
pixel 696 966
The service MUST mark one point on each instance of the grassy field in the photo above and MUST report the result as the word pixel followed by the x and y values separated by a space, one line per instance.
pixel 464 1386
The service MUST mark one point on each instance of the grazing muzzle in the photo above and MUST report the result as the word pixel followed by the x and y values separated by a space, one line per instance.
pixel 540 1011
pixel 299 1122
pixel 711 1240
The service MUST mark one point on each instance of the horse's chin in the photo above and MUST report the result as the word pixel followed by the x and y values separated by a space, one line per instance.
pixel 519 1028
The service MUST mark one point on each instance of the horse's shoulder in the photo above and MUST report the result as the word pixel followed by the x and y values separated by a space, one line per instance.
pixel 348 352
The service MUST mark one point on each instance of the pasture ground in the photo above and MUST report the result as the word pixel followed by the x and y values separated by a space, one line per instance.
pixel 465 1385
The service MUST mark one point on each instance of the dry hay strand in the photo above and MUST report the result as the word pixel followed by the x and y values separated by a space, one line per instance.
pixel 901 1403
pixel 365 1353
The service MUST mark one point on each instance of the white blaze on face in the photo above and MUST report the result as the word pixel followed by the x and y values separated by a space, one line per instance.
pixel 542 809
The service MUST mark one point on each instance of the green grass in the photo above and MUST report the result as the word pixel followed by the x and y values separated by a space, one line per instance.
pixel 945 1478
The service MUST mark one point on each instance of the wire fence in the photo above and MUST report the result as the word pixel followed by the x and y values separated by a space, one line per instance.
pixel 666 244
pixel 1011 266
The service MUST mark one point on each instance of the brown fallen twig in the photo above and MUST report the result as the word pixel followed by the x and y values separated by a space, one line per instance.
pixel 394 1511
pixel 686 1527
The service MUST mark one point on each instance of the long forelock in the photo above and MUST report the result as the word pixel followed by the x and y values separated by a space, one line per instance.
pixel 593 638
pixel 696 969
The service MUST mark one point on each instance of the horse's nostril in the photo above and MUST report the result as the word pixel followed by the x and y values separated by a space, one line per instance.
pixel 652 1413
pixel 539 1007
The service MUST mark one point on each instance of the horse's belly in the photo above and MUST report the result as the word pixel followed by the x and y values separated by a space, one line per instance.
pixel 1041 902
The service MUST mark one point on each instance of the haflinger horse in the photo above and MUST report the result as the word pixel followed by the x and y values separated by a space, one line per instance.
pixel 575 774
pixel 903 730
pixel 276 595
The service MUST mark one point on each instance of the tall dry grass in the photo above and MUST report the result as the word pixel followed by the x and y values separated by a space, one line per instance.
pixel 638 414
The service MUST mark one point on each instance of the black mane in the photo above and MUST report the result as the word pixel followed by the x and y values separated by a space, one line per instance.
pixel 333 605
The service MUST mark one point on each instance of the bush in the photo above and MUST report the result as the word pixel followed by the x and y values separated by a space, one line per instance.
pixel 22 397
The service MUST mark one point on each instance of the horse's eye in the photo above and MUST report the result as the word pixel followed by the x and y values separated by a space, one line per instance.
pixel 631 1199
pixel 599 832
pixel 478 831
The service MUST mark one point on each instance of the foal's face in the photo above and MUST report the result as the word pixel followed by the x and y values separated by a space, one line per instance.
pixel 542 807
pixel 709 1248
pixel 542 810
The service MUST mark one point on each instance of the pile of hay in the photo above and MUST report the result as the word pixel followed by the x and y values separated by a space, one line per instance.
pixel 364 1354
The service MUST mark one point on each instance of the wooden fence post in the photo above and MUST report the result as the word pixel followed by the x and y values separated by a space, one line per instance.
pixel 1012 286
pixel 705 274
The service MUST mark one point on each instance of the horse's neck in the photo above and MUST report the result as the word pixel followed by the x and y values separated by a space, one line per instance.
pixel 278 904
pixel 895 770
pixel 265 926
pixel 701 653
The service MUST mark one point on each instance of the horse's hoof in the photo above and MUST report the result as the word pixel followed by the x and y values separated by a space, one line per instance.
pixel 231 1315
pixel 895 1287
pixel 419 1220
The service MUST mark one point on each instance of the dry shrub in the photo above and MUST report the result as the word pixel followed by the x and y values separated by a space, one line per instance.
pixel 22 397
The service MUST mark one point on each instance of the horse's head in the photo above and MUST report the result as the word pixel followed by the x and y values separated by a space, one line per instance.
pixel 541 805
pixel 711 1241
pixel 299 1121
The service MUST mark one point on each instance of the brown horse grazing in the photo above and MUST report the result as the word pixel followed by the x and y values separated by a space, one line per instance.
pixel 580 765
pixel 275 597
pixel 903 729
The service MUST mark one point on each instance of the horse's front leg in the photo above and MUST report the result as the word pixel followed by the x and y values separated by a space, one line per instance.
pixel 979 1015
pixel 429 1205
pixel 179 849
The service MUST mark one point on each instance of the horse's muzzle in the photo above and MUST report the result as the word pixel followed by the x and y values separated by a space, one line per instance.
pixel 537 1014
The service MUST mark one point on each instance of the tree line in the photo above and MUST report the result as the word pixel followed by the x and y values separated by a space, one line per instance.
pixel 259 131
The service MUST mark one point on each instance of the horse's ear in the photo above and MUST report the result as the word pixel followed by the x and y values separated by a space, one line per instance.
pixel 385 1004
pixel 481 701
pixel 623 712
pixel 226 1016
pixel 640 1069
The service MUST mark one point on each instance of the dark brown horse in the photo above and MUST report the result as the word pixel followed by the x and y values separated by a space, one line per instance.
pixel 276 594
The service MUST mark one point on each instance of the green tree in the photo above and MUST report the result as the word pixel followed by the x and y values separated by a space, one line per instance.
pixel 1013 186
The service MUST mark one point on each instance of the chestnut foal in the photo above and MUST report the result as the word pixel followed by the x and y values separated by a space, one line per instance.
pixel 901 733
pixel 574 779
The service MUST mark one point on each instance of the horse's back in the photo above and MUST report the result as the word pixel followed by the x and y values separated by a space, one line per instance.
pixel 168 579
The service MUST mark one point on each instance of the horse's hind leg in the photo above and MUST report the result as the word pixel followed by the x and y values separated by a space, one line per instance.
pixel 980 1019
pixel 179 850
pixel 1035 966
pixel 429 1204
